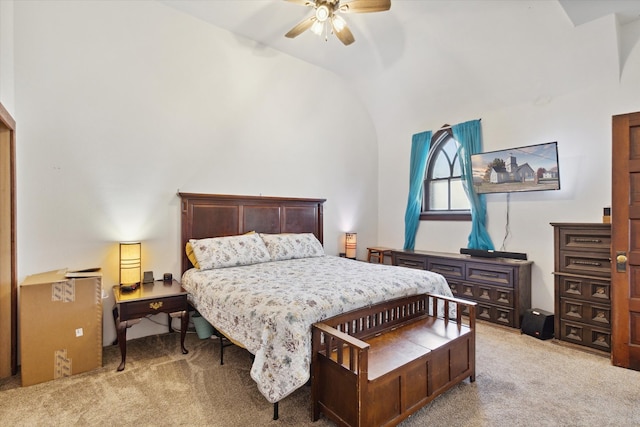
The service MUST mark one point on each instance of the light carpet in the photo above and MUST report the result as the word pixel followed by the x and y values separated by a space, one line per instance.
pixel 520 381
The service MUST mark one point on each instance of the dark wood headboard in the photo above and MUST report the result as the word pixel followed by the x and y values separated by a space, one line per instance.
pixel 216 215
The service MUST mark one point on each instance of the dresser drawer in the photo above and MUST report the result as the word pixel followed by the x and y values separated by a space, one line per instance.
pixel 586 335
pixel 585 263
pixel 501 296
pixel 594 290
pixel 585 312
pixel 138 309
pixel 467 291
pixel 584 239
pixel 490 274
pixel 448 268
pixel 456 288
pixel 484 294
pixel 404 260
pixel 490 313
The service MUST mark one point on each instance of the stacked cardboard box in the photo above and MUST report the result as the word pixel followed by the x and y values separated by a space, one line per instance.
pixel 60 324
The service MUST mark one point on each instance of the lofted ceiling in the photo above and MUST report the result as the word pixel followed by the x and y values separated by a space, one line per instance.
pixel 500 51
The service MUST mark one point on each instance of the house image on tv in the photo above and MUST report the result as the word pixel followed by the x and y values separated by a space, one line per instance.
pixel 511 172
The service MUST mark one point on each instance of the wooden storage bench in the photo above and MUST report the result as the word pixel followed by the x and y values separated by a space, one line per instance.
pixel 377 365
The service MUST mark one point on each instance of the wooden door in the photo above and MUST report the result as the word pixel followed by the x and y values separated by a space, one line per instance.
pixel 8 276
pixel 625 241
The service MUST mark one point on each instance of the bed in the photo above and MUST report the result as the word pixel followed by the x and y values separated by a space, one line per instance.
pixel 267 302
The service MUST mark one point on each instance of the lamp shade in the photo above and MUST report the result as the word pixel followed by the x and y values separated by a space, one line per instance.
pixel 350 245
pixel 130 263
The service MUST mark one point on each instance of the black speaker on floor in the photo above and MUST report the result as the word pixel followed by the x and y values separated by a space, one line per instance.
pixel 538 323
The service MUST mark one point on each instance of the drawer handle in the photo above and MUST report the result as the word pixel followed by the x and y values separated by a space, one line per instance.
pixel 591 263
pixel 445 268
pixel 410 263
pixel 155 305
pixel 493 275
pixel 583 240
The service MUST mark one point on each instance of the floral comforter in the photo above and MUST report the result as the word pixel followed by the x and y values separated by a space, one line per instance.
pixel 269 307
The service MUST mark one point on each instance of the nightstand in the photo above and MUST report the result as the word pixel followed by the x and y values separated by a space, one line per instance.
pixel 378 253
pixel 149 298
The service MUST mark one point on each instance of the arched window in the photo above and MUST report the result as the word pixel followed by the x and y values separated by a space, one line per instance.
pixel 444 196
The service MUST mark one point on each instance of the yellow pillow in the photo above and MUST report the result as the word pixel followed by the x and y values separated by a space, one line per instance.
pixel 191 255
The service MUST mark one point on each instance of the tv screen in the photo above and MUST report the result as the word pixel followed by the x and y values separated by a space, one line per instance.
pixel 529 168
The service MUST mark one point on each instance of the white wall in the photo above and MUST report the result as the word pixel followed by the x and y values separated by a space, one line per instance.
pixel 579 121
pixel 6 55
pixel 122 104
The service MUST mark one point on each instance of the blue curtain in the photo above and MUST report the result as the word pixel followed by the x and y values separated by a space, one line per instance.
pixel 469 137
pixel 420 143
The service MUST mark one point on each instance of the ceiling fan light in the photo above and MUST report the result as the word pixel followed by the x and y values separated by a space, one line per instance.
pixel 339 23
pixel 317 28
pixel 322 13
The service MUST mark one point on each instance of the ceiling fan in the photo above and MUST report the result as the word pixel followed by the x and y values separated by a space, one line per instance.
pixel 326 19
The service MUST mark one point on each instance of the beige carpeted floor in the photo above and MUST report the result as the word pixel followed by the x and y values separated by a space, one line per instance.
pixel 520 381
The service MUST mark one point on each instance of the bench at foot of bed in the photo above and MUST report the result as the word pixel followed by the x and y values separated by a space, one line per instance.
pixel 377 365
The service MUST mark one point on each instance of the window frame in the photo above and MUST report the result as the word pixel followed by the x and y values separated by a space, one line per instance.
pixel 437 140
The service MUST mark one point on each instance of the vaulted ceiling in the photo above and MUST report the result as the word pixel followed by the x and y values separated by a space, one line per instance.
pixel 502 52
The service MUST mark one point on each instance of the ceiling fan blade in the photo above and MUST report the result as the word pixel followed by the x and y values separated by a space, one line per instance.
pixel 342 32
pixel 301 27
pixel 303 2
pixel 365 6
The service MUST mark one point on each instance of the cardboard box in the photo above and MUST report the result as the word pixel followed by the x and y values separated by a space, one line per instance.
pixel 60 325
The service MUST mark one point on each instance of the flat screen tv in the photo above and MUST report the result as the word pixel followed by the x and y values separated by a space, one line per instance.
pixel 528 168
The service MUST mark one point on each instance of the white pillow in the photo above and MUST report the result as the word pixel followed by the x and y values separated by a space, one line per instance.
pixel 229 251
pixel 291 246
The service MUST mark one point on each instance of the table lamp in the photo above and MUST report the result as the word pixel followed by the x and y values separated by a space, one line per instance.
pixel 130 265
pixel 350 244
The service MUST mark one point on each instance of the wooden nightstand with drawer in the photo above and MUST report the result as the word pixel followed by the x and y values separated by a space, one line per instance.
pixel 147 299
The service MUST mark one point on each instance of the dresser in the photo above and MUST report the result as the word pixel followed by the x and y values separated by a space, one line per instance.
pixel 582 270
pixel 501 287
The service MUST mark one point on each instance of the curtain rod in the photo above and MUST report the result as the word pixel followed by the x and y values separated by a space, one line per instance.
pixel 450 126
